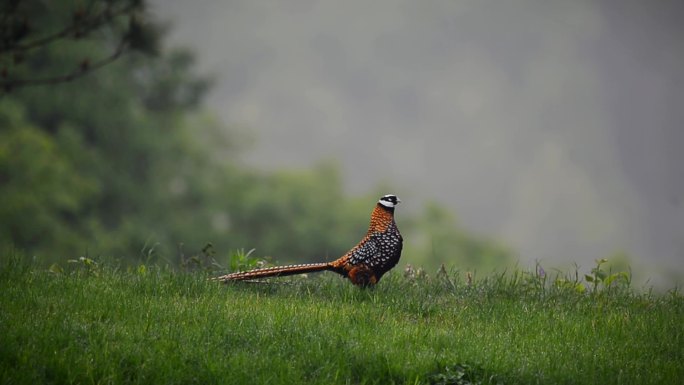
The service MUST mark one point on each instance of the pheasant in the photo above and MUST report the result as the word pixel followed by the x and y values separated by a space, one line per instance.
pixel 364 264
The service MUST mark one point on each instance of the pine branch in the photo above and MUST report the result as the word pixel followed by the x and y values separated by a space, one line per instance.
pixel 83 27
pixel 85 68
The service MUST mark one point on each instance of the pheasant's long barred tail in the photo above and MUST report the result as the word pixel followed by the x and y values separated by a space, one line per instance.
pixel 364 264
pixel 278 271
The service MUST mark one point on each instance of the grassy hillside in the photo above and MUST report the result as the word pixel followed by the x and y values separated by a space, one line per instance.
pixel 95 324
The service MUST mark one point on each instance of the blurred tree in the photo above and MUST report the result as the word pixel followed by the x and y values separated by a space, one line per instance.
pixel 29 27
pixel 86 164
pixel 300 215
pixel 41 190
pixel 437 238
pixel 126 162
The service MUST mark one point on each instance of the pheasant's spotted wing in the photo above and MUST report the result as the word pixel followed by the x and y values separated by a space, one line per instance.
pixel 366 252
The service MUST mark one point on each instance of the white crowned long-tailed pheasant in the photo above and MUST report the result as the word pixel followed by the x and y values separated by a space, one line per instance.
pixel 364 264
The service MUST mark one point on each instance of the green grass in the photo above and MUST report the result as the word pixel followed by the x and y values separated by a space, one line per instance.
pixel 100 324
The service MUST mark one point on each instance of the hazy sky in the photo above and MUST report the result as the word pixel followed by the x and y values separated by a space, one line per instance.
pixel 556 126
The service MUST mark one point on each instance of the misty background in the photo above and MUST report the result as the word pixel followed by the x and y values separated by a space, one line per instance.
pixel 555 127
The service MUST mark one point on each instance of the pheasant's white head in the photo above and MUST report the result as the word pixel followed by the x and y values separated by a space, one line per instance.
pixel 389 200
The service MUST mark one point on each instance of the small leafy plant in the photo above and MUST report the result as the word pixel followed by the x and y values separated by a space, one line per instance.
pixel 602 279
pixel 205 260
pixel 570 283
pixel 241 261
pixel 462 374
pixel 85 264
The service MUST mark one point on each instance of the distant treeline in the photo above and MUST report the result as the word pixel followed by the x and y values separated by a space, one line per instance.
pixel 126 162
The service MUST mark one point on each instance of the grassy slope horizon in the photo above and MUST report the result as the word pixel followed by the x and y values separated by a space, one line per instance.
pixel 102 324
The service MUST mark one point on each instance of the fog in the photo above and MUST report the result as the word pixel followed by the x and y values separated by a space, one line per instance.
pixel 555 127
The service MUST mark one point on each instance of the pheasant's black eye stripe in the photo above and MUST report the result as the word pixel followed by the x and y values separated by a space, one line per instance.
pixel 364 264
